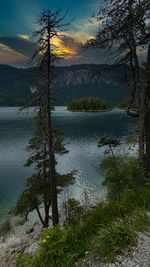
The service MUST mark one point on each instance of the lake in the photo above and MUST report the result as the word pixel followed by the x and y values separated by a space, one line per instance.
pixel 81 134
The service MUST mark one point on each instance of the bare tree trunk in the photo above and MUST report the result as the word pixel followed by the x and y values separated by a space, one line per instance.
pixel 142 139
pixel 147 112
pixel 40 216
pixel 46 219
pixel 52 176
pixel 139 99
pixel 147 133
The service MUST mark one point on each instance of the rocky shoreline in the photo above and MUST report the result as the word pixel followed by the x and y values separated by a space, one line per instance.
pixel 24 239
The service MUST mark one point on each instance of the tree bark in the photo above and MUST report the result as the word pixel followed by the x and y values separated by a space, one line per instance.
pixel 46 219
pixel 40 216
pixel 139 99
pixel 52 176
pixel 147 112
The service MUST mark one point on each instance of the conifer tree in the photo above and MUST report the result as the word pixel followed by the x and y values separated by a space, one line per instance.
pixel 38 188
pixel 49 24
pixel 124 27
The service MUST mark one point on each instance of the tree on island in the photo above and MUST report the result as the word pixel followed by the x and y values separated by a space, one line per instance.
pixel 88 104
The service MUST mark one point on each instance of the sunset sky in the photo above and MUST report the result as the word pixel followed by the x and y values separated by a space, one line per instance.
pixel 17 19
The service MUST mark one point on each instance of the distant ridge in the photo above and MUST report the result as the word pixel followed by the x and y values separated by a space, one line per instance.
pixel 105 81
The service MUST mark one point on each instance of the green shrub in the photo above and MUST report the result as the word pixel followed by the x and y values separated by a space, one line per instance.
pixel 5 227
pixel 112 239
pixel 102 215
pixel 24 260
pixel 120 175
pixel 60 247
pixel 140 221
pixel 78 239
pixel 73 210
pixel 136 199
pixel 54 239
pixel 53 246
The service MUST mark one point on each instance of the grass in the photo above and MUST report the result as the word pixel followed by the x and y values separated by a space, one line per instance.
pixel 140 221
pixel 112 239
pixel 24 261
pixel 136 199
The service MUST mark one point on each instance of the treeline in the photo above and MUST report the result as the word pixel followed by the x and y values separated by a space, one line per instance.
pixel 89 104
pixel 16 90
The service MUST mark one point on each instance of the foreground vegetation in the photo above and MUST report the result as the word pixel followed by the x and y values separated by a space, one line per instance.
pixel 104 231
pixel 89 104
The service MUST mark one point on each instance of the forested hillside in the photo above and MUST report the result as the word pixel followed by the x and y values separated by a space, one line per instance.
pixel 106 81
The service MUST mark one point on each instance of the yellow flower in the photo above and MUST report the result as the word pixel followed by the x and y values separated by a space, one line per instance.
pixel 47 236
pixel 44 241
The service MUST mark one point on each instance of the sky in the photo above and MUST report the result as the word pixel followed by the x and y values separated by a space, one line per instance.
pixel 17 20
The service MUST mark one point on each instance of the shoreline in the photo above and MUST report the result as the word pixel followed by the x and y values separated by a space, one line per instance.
pixel 90 110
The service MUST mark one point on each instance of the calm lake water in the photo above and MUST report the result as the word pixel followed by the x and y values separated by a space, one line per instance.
pixel 81 133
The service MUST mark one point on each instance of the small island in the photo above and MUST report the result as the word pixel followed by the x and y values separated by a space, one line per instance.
pixel 89 104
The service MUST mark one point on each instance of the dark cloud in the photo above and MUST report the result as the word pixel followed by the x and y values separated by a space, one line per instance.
pixel 18 44
pixel 84 55
pixel 90 56
pixel 69 41
pixel 80 55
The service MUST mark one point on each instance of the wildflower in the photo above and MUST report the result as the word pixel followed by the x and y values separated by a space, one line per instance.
pixel 44 241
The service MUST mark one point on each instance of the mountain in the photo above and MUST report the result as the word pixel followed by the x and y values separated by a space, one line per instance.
pixel 106 81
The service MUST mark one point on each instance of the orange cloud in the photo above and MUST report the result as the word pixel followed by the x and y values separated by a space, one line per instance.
pixel 63 50
pixel 5 48
pixel 8 55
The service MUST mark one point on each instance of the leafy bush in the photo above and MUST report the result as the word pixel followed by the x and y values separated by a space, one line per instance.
pixel 102 215
pixel 60 247
pixel 136 199
pixel 73 210
pixel 53 245
pixel 112 239
pixel 120 175
pixel 78 239
pixel 5 227
pixel 24 260
pixel 140 221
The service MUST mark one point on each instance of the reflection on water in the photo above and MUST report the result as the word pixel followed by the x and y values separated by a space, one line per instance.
pixel 81 132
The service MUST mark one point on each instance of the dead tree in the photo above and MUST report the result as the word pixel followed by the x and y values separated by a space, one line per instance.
pixel 49 24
